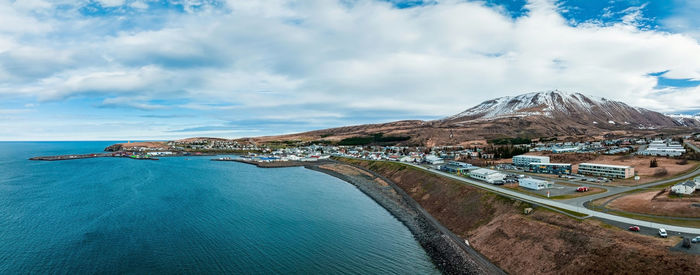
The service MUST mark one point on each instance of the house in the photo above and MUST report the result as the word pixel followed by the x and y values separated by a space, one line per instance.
pixel 487 175
pixel 684 188
pixel 560 150
pixel 524 160
pixel 664 148
pixel 408 159
pixel 534 184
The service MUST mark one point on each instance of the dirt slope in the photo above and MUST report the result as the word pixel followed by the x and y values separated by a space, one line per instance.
pixel 543 242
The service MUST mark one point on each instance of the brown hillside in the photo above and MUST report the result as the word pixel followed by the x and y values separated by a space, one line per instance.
pixel 541 243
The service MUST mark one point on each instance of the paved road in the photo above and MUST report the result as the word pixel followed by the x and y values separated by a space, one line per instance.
pixel 563 205
pixel 692 146
pixel 611 189
pixel 620 189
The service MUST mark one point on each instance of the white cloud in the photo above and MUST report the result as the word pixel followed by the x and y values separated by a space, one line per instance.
pixel 111 3
pixel 338 57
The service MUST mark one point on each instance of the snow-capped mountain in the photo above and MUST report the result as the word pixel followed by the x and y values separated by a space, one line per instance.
pixel 532 115
pixel 686 120
pixel 564 107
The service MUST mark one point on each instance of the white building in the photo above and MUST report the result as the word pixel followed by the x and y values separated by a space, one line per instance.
pixel 664 148
pixel 408 159
pixel 606 170
pixel 487 175
pixel 684 188
pixel 560 150
pixel 534 184
pixel 524 160
pixel 433 159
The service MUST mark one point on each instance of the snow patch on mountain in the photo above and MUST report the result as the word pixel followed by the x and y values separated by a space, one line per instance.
pixel 537 103
pixel 683 119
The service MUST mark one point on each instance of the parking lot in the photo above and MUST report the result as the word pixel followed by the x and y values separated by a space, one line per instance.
pixel 651 231
pixel 555 190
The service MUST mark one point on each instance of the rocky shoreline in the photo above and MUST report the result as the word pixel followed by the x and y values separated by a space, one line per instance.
pixel 448 252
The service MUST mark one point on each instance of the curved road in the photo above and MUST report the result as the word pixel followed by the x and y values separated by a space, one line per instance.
pixel 572 204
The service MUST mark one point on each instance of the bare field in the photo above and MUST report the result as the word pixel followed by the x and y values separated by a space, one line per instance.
pixel 658 203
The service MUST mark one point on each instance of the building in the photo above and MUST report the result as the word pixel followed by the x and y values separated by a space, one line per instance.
pixel 487 175
pixel 524 160
pixel 560 150
pixel 684 188
pixel 433 159
pixel 549 168
pixel 457 167
pixel 534 184
pixel 663 148
pixel 606 170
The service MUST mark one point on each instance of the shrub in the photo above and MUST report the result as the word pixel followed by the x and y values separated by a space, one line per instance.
pixel 658 172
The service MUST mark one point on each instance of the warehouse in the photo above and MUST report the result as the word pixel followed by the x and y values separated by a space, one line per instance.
pixel 534 184
pixel 524 160
pixel 487 175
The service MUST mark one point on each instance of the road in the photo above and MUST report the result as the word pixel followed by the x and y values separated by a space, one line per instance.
pixel 572 205
pixel 611 189
pixel 691 145
pixel 621 189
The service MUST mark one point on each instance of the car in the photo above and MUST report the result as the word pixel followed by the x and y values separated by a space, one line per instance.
pixel 634 228
pixel 662 233
pixel 695 240
pixel 582 189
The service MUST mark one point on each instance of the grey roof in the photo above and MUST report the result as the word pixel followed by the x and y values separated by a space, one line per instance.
pixel 688 183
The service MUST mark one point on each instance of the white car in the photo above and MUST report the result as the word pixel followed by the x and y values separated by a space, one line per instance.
pixel 695 240
pixel 662 233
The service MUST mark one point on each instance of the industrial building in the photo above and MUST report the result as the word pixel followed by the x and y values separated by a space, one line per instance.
pixel 524 160
pixel 606 170
pixel 534 184
pixel 433 159
pixel 487 175
pixel 457 167
pixel 549 168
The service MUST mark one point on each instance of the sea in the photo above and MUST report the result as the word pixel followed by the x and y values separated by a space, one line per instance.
pixel 188 215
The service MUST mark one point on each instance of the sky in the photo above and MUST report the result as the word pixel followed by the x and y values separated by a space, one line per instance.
pixel 158 70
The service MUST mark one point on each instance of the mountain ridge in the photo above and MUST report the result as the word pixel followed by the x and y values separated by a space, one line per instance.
pixel 531 115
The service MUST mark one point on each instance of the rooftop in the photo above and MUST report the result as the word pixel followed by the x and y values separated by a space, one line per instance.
pixel 605 165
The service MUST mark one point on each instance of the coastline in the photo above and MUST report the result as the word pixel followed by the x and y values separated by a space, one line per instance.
pixel 448 252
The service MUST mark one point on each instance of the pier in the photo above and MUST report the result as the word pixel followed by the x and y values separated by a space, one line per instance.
pixel 87 156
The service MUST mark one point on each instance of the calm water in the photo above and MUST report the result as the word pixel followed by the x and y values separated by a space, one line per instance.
pixel 177 215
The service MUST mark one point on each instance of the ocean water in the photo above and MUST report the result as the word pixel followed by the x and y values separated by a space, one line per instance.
pixel 188 215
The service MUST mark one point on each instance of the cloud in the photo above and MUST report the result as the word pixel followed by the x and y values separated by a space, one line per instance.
pixel 335 59
pixel 130 102
pixel 111 3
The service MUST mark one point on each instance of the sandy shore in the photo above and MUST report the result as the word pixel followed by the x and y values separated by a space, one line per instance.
pixel 447 251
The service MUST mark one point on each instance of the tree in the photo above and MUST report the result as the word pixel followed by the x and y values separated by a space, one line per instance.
pixel 653 163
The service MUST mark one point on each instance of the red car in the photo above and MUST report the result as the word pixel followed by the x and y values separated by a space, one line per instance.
pixel 582 189
pixel 634 228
